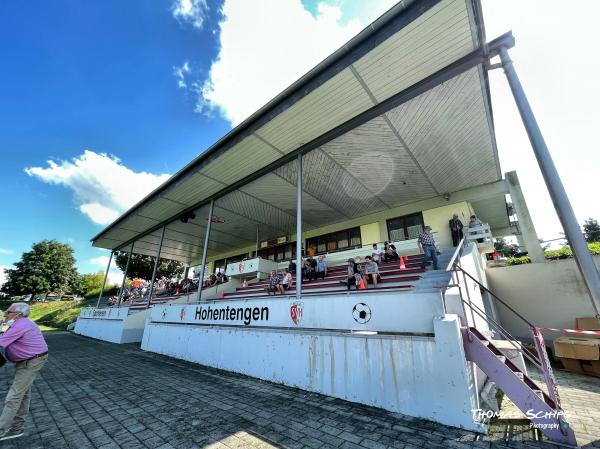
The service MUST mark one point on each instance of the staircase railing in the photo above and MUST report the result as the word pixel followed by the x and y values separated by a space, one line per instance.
pixel 540 360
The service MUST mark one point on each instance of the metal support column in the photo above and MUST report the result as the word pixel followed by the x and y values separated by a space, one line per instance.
pixel 256 253
pixel 565 213
pixel 125 274
pixel 104 281
pixel 299 229
pixel 162 237
pixel 205 250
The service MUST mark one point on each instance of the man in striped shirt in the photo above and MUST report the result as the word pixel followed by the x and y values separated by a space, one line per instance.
pixel 427 246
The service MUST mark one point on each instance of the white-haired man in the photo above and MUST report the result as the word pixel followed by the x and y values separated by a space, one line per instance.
pixel 24 345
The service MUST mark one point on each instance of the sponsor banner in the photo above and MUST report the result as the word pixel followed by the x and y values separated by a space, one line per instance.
pixel 106 313
pixel 377 312
pixel 250 266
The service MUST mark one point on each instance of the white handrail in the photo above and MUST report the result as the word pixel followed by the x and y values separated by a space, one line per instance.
pixel 455 255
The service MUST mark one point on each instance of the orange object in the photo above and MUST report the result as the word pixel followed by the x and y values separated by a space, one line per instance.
pixel 402 266
pixel 362 285
pixel 222 295
pixel 244 284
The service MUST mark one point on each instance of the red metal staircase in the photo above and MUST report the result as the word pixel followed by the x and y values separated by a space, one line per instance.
pixel 542 409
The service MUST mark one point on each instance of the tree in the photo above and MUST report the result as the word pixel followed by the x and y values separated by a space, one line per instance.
pixel 591 230
pixel 48 268
pixel 91 282
pixel 141 266
pixel 505 248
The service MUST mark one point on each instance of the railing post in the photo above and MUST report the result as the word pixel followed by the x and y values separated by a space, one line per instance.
pixel 162 237
pixel 104 281
pixel 205 249
pixel 125 274
pixel 299 229
pixel 561 202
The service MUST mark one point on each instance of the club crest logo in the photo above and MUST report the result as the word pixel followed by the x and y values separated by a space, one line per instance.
pixel 182 313
pixel 240 267
pixel 296 312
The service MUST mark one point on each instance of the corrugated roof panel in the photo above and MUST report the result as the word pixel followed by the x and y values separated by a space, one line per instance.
pixel 161 209
pixel 248 156
pixel 438 37
pixel 331 104
pixel 446 129
pixel 193 189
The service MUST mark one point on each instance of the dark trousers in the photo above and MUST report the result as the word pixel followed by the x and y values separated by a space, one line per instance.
pixel 456 236
pixel 429 252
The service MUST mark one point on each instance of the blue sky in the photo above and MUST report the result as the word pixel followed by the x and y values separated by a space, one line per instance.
pixel 120 94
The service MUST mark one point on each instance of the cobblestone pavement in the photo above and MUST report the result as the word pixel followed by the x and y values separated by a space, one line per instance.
pixel 98 395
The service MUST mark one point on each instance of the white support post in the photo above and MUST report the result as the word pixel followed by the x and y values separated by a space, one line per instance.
pixel 205 250
pixel 299 229
pixel 104 281
pixel 125 275
pixel 162 237
pixel 559 197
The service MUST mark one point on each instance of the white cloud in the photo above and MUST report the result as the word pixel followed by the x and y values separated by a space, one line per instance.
pixel 190 11
pixel 115 275
pixel 6 251
pixel 265 47
pixel 3 275
pixel 180 74
pixel 103 187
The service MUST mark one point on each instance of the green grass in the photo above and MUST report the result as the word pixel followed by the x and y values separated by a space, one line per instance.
pixel 53 315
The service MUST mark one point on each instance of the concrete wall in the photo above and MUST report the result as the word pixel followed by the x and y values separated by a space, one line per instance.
pixel 419 376
pixel 550 294
pixel 438 220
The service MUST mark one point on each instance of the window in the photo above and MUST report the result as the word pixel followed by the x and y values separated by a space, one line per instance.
pixel 405 228
pixel 279 253
pixel 336 241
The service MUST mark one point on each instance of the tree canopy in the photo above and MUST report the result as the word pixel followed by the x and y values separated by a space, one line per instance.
pixel 48 268
pixel 591 230
pixel 141 266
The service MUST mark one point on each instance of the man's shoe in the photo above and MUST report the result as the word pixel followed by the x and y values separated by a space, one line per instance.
pixel 11 434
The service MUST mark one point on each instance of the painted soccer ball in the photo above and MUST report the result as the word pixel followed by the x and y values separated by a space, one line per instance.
pixel 361 313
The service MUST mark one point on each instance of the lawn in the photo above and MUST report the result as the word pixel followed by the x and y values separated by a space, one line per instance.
pixel 53 315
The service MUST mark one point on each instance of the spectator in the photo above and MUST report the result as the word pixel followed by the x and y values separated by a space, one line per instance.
pixel 376 254
pixel 126 294
pixel 456 229
pixel 311 251
pixel 309 271
pixel 272 287
pixel 286 282
pixel 371 271
pixel 475 222
pixel 292 267
pixel 353 275
pixel 428 248
pixel 24 345
pixel 321 268
pixel 389 252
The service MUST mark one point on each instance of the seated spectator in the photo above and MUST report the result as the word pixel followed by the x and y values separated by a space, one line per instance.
pixel 126 295
pixel 219 278
pixel 321 271
pixel 292 267
pixel 376 254
pixel 273 286
pixel 286 282
pixel 371 272
pixel 389 252
pixel 353 275
pixel 308 271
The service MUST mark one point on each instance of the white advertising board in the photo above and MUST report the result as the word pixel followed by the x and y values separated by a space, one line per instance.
pixel 105 313
pixel 381 312
pixel 250 266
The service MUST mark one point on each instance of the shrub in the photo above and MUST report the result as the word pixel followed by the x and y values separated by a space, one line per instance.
pixel 563 253
pixel 518 260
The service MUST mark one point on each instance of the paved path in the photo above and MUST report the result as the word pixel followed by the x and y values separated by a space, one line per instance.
pixel 98 395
